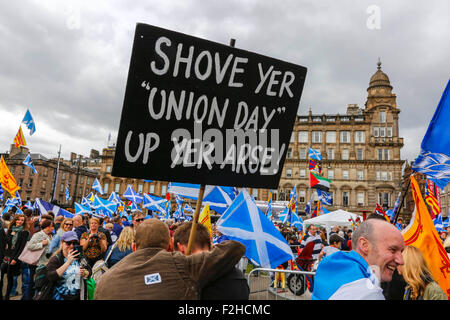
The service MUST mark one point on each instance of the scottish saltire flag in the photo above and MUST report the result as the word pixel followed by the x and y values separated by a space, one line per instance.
pixel 154 203
pixel 188 208
pixel 80 209
pixel 134 207
pixel 44 207
pixel 18 211
pixel 315 154
pixel 12 202
pixel 434 157
pixel 67 195
pixel 104 207
pixel 445 223
pixel 17 198
pixel 438 223
pixel 28 162
pixel 28 205
pixel 269 206
pixel 297 221
pixel 167 210
pixel 179 212
pixel 97 186
pixel 285 216
pixel 325 197
pixel 86 203
pixel 245 222
pixel 346 276
pixel 115 197
pixel 132 195
pixel 29 122
pixel 396 205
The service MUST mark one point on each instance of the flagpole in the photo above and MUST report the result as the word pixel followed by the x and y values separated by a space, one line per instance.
pixel 195 219
pixel 56 176
pixel 397 213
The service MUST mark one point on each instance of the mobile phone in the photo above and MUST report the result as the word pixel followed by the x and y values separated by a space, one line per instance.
pixel 79 248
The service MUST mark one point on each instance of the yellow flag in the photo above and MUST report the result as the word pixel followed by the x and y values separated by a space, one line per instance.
pixel 19 139
pixel 205 219
pixel 421 233
pixel 7 179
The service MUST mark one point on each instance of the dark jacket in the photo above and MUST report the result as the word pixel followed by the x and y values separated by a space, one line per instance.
pixel 22 240
pixel 107 234
pixel 80 230
pixel 3 242
pixel 116 255
pixel 156 274
pixel 117 228
pixel 231 286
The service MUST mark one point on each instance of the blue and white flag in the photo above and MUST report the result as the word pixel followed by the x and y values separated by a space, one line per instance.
pixel 67 195
pixel 97 186
pixel 132 195
pixel 297 221
pixel 1 192
pixel 167 210
pixel 11 202
pixel 115 197
pixel 80 209
pixel 309 204
pixel 154 203
pixel 86 203
pixel 18 211
pixel 445 223
pixel 325 197
pixel 315 154
pixel 104 207
pixel 438 223
pixel 44 207
pixel 134 207
pixel 284 216
pixel 28 205
pixel 29 122
pixel 17 200
pixel 179 214
pixel 434 157
pixel 396 205
pixel 188 208
pixel 28 162
pixel 243 221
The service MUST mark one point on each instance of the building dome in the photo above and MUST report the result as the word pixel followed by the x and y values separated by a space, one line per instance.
pixel 379 78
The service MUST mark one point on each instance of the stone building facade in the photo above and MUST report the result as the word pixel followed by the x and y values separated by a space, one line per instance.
pixel 360 152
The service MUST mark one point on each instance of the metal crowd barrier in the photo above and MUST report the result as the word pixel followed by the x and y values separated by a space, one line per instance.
pixel 260 281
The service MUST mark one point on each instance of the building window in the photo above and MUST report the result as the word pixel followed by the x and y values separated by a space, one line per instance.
pixel 81 179
pixel 345 198
pixel 106 187
pixel 303 136
pixel 44 184
pixel 317 136
pixel 389 131
pixel 376 132
pixel 63 176
pixel 360 175
pixel 117 188
pixel 331 136
pixel 108 168
pixel 140 187
pixel 345 174
pixel 61 188
pixel 12 169
pixel 360 198
pixel 378 176
pixel 345 136
pixel 288 173
pixel 23 170
pixel 382 132
pixel 330 174
pixel 387 154
pixel 302 153
pixel 359 154
pixel 383 199
pixel 301 196
pixel 344 154
pixel 255 193
pixel 330 154
pixel 152 188
pixel 380 154
pixel 30 183
pixel 302 173
pixel 163 190
pixel 289 153
pixel 382 116
pixel 360 137
pixel 384 175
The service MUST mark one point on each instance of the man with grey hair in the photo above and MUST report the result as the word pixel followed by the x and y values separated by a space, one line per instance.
pixel 355 275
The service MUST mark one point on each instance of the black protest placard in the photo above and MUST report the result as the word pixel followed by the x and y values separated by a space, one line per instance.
pixel 203 112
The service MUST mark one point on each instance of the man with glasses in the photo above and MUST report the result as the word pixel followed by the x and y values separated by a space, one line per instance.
pixel 137 218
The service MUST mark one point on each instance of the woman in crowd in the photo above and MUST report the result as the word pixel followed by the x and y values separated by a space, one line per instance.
pixel 420 282
pixel 121 248
pixel 64 270
pixel 17 237
pixel 66 225
pixel 94 243
pixel 110 227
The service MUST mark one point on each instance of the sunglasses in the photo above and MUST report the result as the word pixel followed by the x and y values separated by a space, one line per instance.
pixel 71 242
pixel 68 224
pixel 139 220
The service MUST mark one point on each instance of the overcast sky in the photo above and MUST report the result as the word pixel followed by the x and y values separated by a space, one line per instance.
pixel 67 61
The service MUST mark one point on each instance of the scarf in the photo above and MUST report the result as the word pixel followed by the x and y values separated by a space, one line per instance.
pixel 16 231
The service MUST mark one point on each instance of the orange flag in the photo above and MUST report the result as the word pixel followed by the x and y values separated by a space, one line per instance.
pixel 205 219
pixel 7 179
pixel 421 233
pixel 19 139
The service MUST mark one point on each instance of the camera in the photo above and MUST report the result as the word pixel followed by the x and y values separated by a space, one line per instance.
pixel 79 248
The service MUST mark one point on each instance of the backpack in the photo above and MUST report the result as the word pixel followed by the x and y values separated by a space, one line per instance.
pixel 44 288
pixel 100 267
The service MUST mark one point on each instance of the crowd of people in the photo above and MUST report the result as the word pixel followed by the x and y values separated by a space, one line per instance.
pixel 87 257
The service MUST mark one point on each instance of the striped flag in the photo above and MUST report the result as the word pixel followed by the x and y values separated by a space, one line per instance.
pixel 431 200
pixel 19 139
pixel 379 210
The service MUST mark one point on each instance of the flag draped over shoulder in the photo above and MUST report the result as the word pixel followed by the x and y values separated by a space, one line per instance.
pixel 246 223
pixel 422 234
pixel 434 157
pixel 19 139
pixel 7 179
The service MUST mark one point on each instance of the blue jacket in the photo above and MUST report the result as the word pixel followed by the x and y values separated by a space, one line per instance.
pixel 116 255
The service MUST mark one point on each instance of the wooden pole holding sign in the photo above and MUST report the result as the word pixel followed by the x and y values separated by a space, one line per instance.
pixel 199 200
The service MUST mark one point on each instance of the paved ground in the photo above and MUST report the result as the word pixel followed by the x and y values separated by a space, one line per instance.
pixel 260 290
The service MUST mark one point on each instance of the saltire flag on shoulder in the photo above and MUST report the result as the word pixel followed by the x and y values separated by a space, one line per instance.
pixel 431 200
pixel 325 197
pixel 97 186
pixel 315 154
pixel 44 207
pixel 7 179
pixel 28 162
pixel 205 219
pixel 319 182
pixel 29 122
pixel 379 210
pixel 19 139
pixel 132 195
pixel 243 221
pixel 422 234
pixel 80 209
pixel 434 157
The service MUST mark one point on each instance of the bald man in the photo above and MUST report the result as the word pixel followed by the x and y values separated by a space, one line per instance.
pixel 356 275
pixel 154 273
